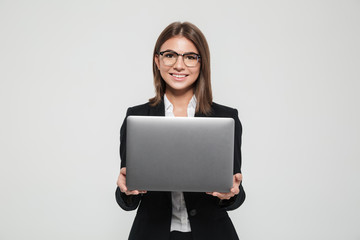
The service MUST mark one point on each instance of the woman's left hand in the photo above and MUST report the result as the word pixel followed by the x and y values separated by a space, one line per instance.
pixel 237 178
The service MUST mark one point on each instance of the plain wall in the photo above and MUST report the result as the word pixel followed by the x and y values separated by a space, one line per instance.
pixel 69 70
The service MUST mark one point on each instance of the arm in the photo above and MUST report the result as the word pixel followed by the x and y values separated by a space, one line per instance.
pixel 235 201
pixel 236 196
pixel 127 200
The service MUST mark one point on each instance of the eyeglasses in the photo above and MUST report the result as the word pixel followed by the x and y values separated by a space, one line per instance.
pixel 169 58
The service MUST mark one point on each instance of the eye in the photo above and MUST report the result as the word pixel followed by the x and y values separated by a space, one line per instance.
pixel 169 55
pixel 191 56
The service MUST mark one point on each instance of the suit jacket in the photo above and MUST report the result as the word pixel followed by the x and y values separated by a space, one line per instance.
pixel 207 214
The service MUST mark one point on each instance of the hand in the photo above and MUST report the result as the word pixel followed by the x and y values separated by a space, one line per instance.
pixel 237 178
pixel 121 182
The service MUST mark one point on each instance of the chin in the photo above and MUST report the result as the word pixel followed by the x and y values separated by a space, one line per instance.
pixel 182 87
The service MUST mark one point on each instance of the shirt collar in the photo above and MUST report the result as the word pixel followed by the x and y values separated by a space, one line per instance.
pixel 192 102
pixel 169 106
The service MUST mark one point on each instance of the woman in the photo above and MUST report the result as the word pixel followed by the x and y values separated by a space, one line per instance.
pixel 181 68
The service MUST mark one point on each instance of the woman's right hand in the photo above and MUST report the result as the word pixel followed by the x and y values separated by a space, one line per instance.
pixel 121 182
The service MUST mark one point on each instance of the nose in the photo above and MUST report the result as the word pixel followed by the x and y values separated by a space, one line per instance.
pixel 179 64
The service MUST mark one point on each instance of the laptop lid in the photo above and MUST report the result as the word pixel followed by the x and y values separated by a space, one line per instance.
pixel 179 153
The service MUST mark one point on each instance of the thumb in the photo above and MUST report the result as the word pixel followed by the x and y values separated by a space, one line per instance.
pixel 238 177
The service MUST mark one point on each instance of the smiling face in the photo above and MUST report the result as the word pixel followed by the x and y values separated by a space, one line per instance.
pixel 179 77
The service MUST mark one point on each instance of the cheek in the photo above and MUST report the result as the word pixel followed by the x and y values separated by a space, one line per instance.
pixel 196 73
pixel 164 68
pixel 163 71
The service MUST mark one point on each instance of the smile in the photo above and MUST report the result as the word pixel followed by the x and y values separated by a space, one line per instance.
pixel 178 75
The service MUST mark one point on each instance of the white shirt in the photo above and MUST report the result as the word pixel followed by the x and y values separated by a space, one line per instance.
pixel 179 220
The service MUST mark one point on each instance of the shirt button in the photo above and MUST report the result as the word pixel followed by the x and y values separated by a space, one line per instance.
pixel 193 212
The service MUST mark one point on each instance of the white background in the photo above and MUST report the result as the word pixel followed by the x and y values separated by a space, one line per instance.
pixel 69 70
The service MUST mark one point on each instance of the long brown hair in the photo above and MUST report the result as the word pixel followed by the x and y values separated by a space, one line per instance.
pixel 202 86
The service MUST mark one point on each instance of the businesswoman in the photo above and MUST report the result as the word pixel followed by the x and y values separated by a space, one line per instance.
pixel 181 69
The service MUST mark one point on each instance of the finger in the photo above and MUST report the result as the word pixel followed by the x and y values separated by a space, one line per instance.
pixel 133 192
pixel 122 180
pixel 215 194
pixel 235 190
pixel 123 188
pixel 238 177
pixel 226 196
pixel 236 183
pixel 121 184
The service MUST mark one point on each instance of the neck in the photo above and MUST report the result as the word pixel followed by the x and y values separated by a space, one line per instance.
pixel 179 99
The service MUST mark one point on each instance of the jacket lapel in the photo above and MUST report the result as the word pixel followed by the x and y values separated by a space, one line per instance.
pixel 212 114
pixel 158 110
pixel 198 114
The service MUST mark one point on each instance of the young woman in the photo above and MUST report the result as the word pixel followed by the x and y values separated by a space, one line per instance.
pixel 181 68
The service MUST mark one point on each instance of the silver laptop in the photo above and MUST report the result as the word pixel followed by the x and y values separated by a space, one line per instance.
pixel 179 154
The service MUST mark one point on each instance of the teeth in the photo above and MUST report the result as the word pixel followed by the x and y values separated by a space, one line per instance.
pixel 179 76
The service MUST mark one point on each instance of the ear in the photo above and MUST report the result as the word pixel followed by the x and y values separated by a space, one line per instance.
pixel 157 62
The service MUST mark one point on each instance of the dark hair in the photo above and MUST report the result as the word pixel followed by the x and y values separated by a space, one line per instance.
pixel 202 86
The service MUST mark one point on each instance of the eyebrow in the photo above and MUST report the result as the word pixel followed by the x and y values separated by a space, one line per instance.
pixel 170 50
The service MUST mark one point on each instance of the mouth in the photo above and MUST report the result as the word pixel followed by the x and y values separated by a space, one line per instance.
pixel 179 76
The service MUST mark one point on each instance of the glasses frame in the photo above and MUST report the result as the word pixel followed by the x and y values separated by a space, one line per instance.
pixel 178 54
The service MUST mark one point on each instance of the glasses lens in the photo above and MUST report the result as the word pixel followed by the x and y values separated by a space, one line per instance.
pixel 169 58
pixel 190 59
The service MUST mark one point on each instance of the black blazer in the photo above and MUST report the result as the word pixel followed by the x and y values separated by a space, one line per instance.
pixel 207 214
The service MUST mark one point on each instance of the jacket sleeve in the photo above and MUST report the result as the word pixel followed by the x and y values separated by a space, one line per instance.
pixel 126 202
pixel 238 199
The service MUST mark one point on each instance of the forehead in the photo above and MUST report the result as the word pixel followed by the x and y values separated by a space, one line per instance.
pixel 179 44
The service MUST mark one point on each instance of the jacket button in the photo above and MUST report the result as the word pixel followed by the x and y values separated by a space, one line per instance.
pixel 192 212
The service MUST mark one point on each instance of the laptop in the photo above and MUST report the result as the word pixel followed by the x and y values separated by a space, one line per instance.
pixel 179 153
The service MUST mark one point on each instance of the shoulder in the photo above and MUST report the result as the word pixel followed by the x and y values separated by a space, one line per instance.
pixel 141 109
pixel 147 109
pixel 223 111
